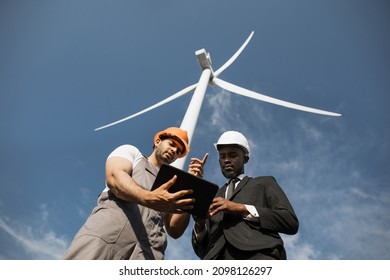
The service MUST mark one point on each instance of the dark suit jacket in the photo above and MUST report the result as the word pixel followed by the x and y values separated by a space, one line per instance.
pixel 276 215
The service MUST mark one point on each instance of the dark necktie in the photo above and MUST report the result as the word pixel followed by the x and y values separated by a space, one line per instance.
pixel 231 186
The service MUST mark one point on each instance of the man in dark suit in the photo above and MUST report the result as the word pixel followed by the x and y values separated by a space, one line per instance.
pixel 247 214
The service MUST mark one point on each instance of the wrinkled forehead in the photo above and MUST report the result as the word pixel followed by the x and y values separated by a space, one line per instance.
pixel 177 141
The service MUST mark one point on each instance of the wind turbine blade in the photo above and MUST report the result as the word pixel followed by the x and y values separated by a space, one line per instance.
pixel 172 97
pixel 248 93
pixel 233 58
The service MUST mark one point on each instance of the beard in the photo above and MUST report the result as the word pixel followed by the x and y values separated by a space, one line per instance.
pixel 231 172
pixel 164 157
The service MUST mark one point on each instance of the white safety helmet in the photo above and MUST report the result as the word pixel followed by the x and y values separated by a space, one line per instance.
pixel 233 138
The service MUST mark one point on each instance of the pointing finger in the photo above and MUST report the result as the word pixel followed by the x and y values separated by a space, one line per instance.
pixel 205 159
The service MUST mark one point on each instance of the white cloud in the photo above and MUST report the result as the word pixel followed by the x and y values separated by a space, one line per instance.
pixel 297 250
pixel 310 131
pixel 220 102
pixel 290 166
pixel 37 242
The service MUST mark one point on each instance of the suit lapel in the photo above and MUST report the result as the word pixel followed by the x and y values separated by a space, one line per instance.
pixel 240 185
pixel 221 192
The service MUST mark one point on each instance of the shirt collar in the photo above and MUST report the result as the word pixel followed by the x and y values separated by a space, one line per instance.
pixel 240 177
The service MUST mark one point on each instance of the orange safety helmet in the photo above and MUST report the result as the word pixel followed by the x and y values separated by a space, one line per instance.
pixel 178 134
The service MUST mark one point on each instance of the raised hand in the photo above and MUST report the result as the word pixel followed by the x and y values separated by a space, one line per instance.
pixel 196 166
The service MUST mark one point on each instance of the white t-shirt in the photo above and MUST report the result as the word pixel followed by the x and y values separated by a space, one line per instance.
pixel 128 152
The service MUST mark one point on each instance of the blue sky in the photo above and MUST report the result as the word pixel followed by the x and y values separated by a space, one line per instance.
pixel 67 67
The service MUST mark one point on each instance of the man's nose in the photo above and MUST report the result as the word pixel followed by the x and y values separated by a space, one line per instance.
pixel 227 159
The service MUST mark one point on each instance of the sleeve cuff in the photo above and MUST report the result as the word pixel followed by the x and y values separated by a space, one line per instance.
pixel 253 214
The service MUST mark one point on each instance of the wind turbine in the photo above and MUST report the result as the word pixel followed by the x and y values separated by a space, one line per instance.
pixel 210 77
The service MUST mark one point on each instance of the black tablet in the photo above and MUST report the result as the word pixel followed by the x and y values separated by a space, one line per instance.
pixel 203 191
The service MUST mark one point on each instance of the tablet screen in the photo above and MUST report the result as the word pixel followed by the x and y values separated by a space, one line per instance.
pixel 203 191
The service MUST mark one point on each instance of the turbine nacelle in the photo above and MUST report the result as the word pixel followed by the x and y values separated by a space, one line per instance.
pixel 204 59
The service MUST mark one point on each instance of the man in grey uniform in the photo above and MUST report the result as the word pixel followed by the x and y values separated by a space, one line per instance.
pixel 129 220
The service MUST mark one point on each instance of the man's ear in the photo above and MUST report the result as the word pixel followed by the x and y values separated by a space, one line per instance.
pixel 246 159
pixel 157 142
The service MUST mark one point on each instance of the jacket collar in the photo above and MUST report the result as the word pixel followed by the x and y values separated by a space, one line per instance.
pixel 238 188
pixel 241 184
